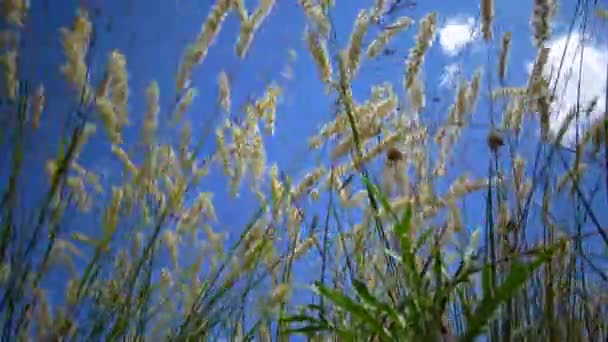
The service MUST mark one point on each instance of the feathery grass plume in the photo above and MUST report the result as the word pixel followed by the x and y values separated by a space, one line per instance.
pixel 401 177
pixel 295 217
pixel 202 207
pixel 314 142
pixel 315 13
pixel 538 99
pixel 251 25
pixel 103 89
pixel 81 197
pixel 448 135
pixel 518 172
pixel 176 187
pixel 511 92
pixel 426 35
pixel 388 141
pixel 150 124
pixel 513 116
pixel 417 97
pixel 171 241
pixel 117 73
pixel 257 160
pixel 222 150
pixel 124 158
pixel 536 76
pixel 327 4
pixel 473 91
pixel 240 8
pixel 184 104
pixel 378 44
pixel 109 118
pixel 309 181
pixel 487 16
pixel 37 106
pixel 197 51
pixel 15 11
pixel 277 189
pixel 541 20
pixel 356 40
pixel 303 247
pixel 279 295
pixel 318 48
pixel 328 130
pixel 185 138
pixel 504 55
pixel 89 130
pixel 75 43
pixel 354 201
pixel 455 217
pixel 148 132
pixel 458 111
pixel 89 176
pixel 266 107
pixel 377 11
pixel 240 161
pixel 255 244
pixel 8 63
pixel 464 185
pixel 224 85
pixel 245 38
pixel 110 218
pixel 342 148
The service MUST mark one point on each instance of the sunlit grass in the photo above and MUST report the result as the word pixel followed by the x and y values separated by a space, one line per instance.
pixel 398 259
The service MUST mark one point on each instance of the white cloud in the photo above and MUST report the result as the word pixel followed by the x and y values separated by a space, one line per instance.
pixel 456 34
pixel 450 76
pixel 592 79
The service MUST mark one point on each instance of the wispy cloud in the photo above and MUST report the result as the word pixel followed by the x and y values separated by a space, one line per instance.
pixel 450 76
pixel 591 73
pixel 456 34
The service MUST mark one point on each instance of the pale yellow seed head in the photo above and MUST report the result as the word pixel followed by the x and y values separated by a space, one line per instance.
pixel 37 106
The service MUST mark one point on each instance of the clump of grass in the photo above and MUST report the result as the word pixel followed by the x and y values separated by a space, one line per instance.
pixel 399 260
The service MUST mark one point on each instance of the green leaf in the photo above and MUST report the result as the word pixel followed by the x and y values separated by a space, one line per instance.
pixel 383 199
pixel 486 274
pixel 441 291
pixel 517 277
pixel 466 307
pixel 403 226
pixel 408 258
pixel 356 310
pixel 377 304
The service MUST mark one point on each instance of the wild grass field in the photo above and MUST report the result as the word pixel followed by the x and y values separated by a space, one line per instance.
pixel 275 170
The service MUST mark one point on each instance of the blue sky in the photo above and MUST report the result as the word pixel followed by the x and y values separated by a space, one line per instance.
pixel 153 34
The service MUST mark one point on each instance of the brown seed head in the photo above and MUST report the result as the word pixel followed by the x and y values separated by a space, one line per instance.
pixel 393 155
pixel 495 140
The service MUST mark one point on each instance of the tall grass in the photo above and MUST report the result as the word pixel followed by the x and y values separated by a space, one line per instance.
pixel 383 214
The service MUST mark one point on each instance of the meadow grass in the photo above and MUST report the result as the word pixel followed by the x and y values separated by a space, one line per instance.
pixel 397 259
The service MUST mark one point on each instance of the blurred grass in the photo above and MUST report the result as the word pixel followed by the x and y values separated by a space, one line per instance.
pixel 410 278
